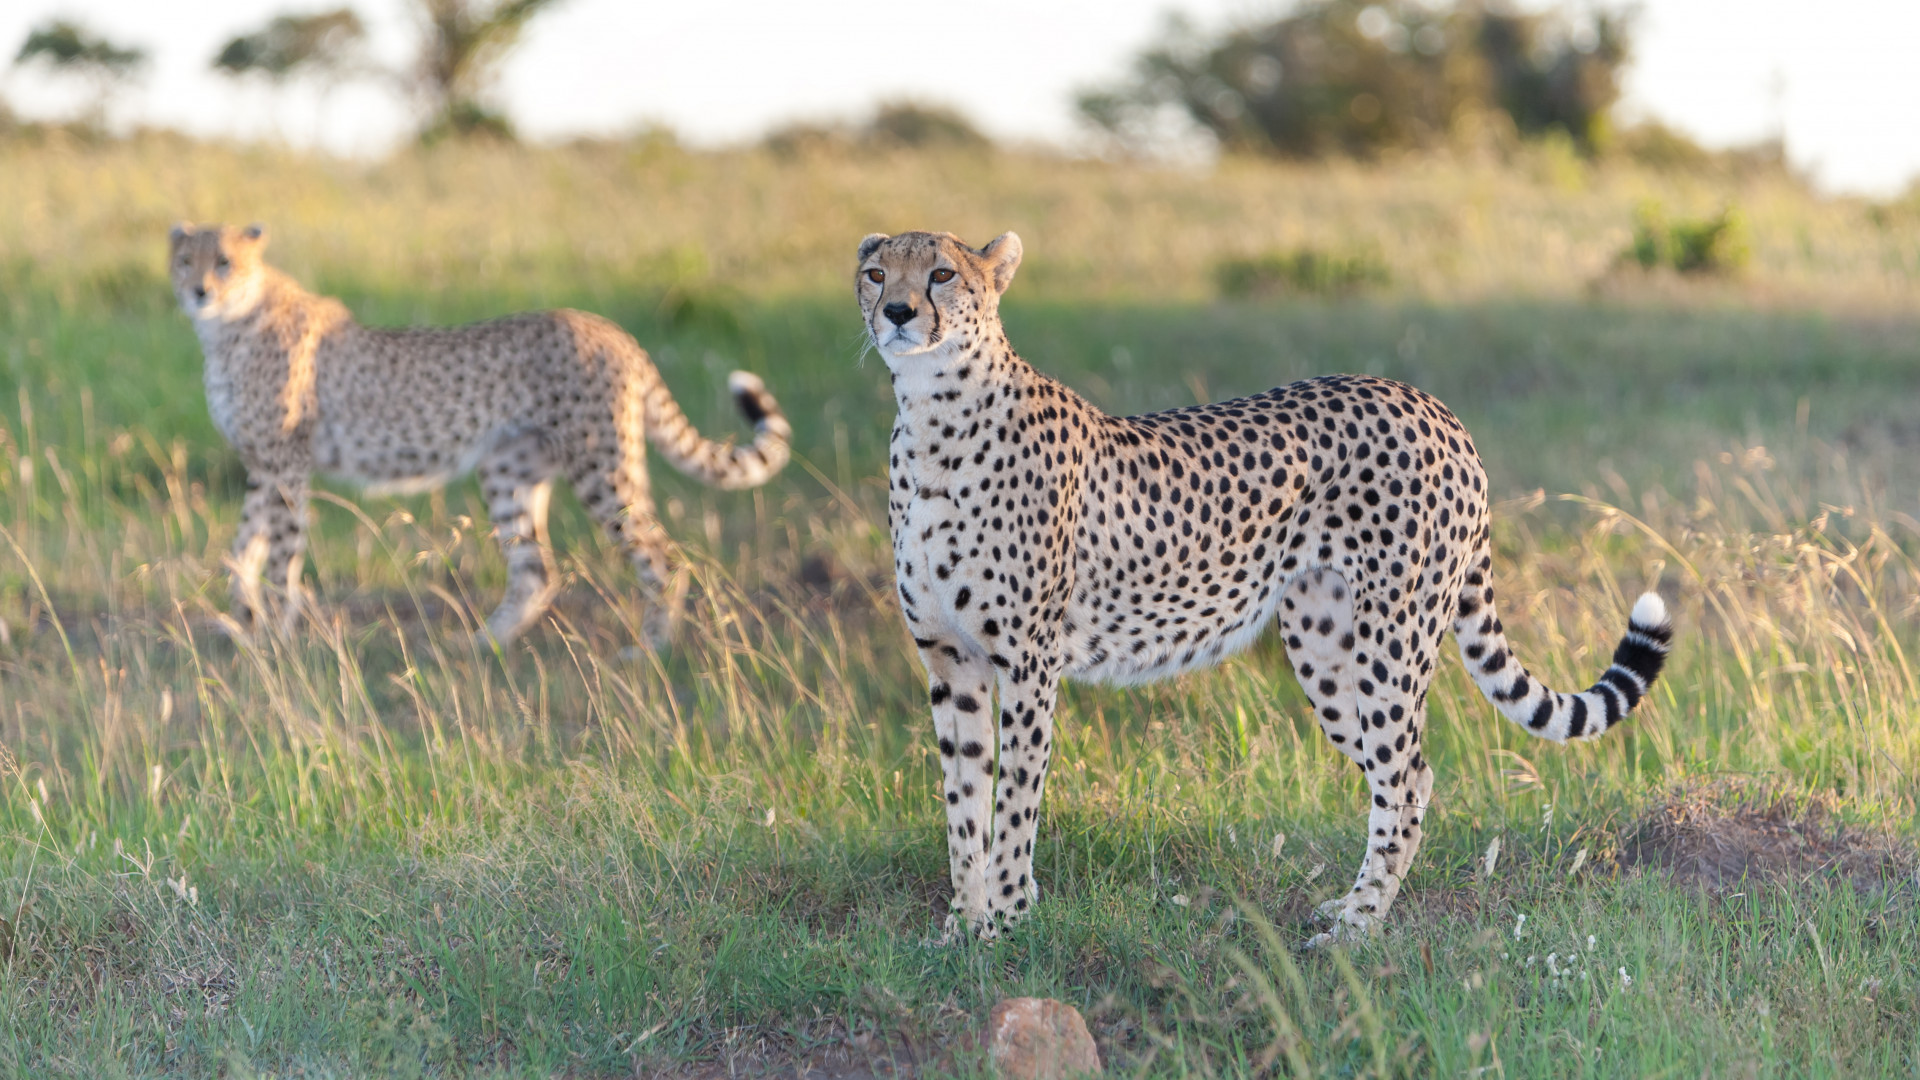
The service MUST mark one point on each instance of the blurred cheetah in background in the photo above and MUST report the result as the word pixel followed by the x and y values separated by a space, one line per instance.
pixel 1036 537
pixel 298 387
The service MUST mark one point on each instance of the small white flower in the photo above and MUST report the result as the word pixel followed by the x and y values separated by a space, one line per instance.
pixel 1493 859
pixel 1232 838
pixel 154 779
pixel 1590 942
pixel 1279 841
pixel 1579 860
pixel 40 784
pixel 1626 980
pixel 770 817
pixel 1179 900
pixel 1552 967
pixel 1519 926
pixel 1318 868
pixel 34 805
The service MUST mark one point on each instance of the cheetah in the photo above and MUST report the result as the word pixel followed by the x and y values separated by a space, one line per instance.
pixel 298 387
pixel 1036 538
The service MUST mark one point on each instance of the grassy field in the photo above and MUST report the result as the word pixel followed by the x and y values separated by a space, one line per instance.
pixel 378 850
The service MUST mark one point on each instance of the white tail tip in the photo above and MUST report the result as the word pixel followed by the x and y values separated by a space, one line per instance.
pixel 745 382
pixel 1649 610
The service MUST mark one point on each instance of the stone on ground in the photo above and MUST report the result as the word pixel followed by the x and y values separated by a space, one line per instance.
pixel 1040 1039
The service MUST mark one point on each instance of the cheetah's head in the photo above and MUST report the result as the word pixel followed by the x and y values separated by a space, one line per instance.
pixel 216 269
pixel 921 292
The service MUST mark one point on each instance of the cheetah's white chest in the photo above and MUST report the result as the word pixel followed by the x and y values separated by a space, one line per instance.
pixel 221 403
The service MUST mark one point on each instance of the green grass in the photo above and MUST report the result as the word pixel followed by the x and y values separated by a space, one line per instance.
pixel 398 854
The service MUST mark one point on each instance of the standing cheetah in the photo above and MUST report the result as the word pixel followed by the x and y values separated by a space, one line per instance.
pixel 298 387
pixel 1036 537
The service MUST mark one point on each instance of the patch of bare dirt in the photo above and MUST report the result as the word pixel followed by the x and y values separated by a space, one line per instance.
pixel 843 1057
pixel 1720 836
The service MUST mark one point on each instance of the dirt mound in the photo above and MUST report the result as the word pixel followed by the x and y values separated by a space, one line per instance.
pixel 1721 836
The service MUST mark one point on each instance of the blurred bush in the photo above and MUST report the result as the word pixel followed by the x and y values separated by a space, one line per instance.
pixel 908 125
pixel 1902 210
pixel 1656 146
pixel 1305 270
pixel 1358 78
pixel 1716 245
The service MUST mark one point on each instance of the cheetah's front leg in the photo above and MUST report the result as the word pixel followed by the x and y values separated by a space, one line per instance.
pixel 960 687
pixel 516 480
pixel 271 542
pixel 1028 695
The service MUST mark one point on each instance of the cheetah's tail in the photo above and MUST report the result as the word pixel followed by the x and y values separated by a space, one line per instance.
pixel 1526 701
pixel 722 464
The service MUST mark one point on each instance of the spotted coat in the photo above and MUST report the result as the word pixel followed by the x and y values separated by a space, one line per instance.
pixel 1038 538
pixel 298 387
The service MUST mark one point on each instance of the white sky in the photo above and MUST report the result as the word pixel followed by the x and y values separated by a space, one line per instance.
pixel 1841 76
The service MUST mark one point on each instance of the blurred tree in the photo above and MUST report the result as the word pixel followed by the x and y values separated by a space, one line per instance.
pixel 1359 77
pixel 1550 72
pixel 329 45
pixel 328 48
pixel 67 48
pixel 460 57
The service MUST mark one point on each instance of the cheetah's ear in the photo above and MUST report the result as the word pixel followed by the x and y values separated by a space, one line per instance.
pixel 178 235
pixel 255 234
pixel 870 242
pixel 1002 257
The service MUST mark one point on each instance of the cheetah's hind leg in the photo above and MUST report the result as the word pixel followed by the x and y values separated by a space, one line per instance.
pixel 665 607
pixel 516 478
pixel 1375 724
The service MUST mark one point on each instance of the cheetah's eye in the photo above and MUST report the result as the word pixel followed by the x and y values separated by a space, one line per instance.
pixel 942 276
pixel 221 262
pixel 876 275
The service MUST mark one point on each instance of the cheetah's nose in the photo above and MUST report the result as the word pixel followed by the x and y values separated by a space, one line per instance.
pixel 897 313
pixel 200 292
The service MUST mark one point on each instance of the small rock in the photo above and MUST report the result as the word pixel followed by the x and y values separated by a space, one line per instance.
pixel 1040 1039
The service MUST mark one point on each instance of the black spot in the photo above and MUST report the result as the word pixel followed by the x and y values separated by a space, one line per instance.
pixel 1541 714
pixel 1623 682
pixel 1577 722
pixel 1643 660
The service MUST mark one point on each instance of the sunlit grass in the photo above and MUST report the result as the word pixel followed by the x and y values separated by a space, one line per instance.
pixel 608 217
pixel 375 848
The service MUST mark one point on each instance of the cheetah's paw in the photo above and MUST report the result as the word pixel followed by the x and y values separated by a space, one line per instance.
pixel 959 929
pixel 1351 924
